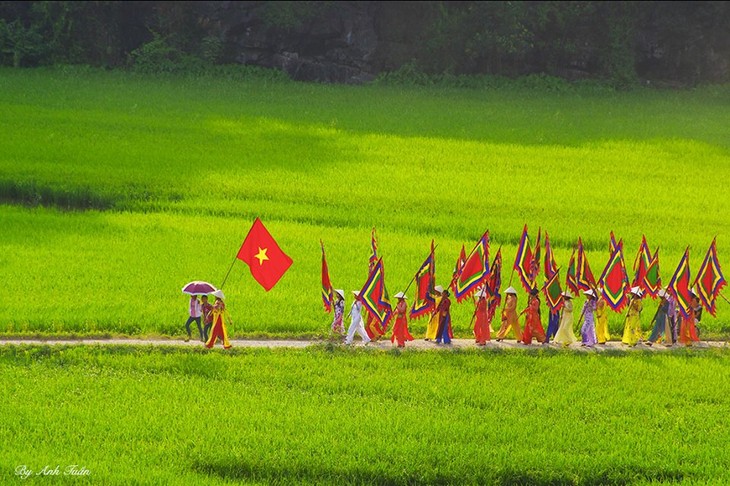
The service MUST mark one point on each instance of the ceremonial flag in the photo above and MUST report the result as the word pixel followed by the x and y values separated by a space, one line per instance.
pixel 328 294
pixel 652 282
pixel 374 246
pixel 641 263
pixel 612 244
pixel 457 268
pixel 710 279
pixel 424 302
pixel 535 265
pixel 679 285
pixel 474 271
pixel 550 266
pixel 584 276
pixel 265 259
pixel 523 261
pixel 571 282
pixel 494 283
pixel 614 281
pixel 553 293
pixel 374 296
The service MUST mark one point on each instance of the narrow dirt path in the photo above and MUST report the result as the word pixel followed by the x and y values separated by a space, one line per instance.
pixel 386 344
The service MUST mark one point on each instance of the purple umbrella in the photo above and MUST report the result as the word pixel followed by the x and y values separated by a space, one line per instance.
pixel 198 288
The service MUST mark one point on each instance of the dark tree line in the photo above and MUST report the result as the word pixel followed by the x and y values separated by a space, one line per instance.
pixel 677 42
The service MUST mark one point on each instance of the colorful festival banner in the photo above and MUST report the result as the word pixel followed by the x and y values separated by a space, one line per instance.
pixel 524 260
pixel 710 280
pixel 553 293
pixel 550 266
pixel 423 303
pixel 494 284
pixel 535 265
pixel 374 296
pixel 679 285
pixel 474 271
pixel 641 263
pixel 614 280
pixel 584 276
pixel 374 250
pixel 457 268
pixel 571 283
pixel 328 294
pixel 652 281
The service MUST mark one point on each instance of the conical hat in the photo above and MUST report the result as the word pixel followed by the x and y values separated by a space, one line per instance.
pixel 340 292
pixel 510 290
pixel 400 295
pixel 438 289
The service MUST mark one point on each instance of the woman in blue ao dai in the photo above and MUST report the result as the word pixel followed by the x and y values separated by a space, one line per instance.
pixel 588 330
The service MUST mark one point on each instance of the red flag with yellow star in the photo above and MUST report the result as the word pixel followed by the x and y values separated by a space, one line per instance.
pixel 263 256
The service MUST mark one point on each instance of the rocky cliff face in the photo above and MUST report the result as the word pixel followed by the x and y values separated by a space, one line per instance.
pixel 352 42
pixel 333 42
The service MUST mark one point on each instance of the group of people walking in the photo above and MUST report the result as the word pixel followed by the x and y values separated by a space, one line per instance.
pixel 214 318
pixel 668 325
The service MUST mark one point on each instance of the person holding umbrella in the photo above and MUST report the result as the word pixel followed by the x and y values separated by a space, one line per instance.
pixel 219 322
pixel 195 309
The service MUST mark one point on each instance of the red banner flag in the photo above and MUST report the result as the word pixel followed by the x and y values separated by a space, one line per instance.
pixel 374 296
pixel 328 295
pixel 550 266
pixel 710 280
pixel 679 285
pixel 614 281
pixel 263 256
pixel 584 275
pixel 474 271
pixel 524 260
pixel 571 283
pixel 423 303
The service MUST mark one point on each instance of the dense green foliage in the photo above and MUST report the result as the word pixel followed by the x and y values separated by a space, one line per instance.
pixel 169 173
pixel 146 415
pixel 679 42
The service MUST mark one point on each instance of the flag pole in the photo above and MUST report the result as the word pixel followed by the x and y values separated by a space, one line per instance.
pixel 229 271
pixel 723 297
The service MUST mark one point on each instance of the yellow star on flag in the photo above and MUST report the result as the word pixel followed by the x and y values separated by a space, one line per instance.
pixel 261 255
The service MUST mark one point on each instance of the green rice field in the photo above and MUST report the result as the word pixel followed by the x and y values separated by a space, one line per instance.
pixel 118 189
pixel 327 415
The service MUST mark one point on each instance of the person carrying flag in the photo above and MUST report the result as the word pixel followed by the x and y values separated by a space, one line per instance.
pixel 533 327
pixel 661 322
pixel 632 328
pixel 433 322
pixel 356 322
pixel 481 319
pixel 588 330
pixel 688 325
pixel 337 326
pixel 565 335
pixel 602 334
pixel 509 316
pixel 553 325
pixel 400 329
pixel 444 332
pixel 219 322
